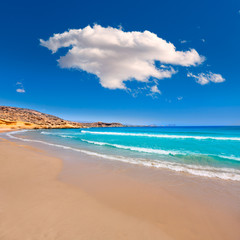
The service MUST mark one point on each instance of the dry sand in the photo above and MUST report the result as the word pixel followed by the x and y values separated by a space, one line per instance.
pixel 35 205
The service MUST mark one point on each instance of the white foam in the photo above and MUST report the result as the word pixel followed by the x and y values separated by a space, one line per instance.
pixel 138 149
pixel 159 151
pixel 145 150
pixel 58 134
pixel 210 172
pixel 163 135
pixel 231 157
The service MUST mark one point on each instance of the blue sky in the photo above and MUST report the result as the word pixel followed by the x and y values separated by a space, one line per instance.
pixel 31 77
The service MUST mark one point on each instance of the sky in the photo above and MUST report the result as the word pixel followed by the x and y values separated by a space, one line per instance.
pixel 134 62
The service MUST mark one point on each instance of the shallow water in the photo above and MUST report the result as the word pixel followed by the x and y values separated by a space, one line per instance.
pixel 204 151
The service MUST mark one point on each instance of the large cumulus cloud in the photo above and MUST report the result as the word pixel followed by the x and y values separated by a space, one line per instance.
pixel 116 56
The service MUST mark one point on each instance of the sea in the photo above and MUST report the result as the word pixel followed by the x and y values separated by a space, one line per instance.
pixel 210 152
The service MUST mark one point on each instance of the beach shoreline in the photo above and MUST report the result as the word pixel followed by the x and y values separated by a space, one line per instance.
pixel 45 198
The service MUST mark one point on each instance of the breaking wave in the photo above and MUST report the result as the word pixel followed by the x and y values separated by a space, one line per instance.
pixel 163 136
pixel 158 151
pixel 205 171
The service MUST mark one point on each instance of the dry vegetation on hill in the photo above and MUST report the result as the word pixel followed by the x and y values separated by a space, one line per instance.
pixel 22 118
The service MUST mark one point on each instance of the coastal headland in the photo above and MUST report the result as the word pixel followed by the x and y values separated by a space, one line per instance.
pixel 22 118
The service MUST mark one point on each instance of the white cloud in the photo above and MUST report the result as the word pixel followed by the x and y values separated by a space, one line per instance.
pixel 154 89
pixel 179 98
pixel 163 66
pixel 183 41
pixel 116 56
pixel 203 40
pixel 205 78
pixel 20 88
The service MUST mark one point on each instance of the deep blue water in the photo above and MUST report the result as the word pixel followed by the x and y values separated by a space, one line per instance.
pixel 203 151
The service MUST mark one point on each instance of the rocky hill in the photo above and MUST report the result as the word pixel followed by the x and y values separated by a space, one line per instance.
pixel 13 117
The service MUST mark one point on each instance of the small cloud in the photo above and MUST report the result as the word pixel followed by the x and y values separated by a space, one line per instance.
pixel 179 98
pixel 154 89
pixel 205 78
pixel 239 12
pixel 203 40
pixel 183 41
pixel 20 88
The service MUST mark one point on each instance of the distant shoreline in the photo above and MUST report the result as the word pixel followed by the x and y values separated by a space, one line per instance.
pixel 23 118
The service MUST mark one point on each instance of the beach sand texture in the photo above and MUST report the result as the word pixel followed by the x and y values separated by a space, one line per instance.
pixel 34 204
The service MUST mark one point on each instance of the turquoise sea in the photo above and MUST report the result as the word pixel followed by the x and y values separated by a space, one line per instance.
pixel 204 151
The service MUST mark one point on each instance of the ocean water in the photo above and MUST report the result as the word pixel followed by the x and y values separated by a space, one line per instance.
pixel 212 152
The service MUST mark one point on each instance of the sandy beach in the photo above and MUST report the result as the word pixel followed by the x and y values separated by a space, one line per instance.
pixel 119 120
pixel 40 198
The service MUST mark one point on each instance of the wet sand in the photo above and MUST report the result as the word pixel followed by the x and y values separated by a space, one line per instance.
pixel 182 206
pixel 42 197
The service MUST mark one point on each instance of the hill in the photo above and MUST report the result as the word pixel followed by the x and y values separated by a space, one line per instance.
pixel 22 118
